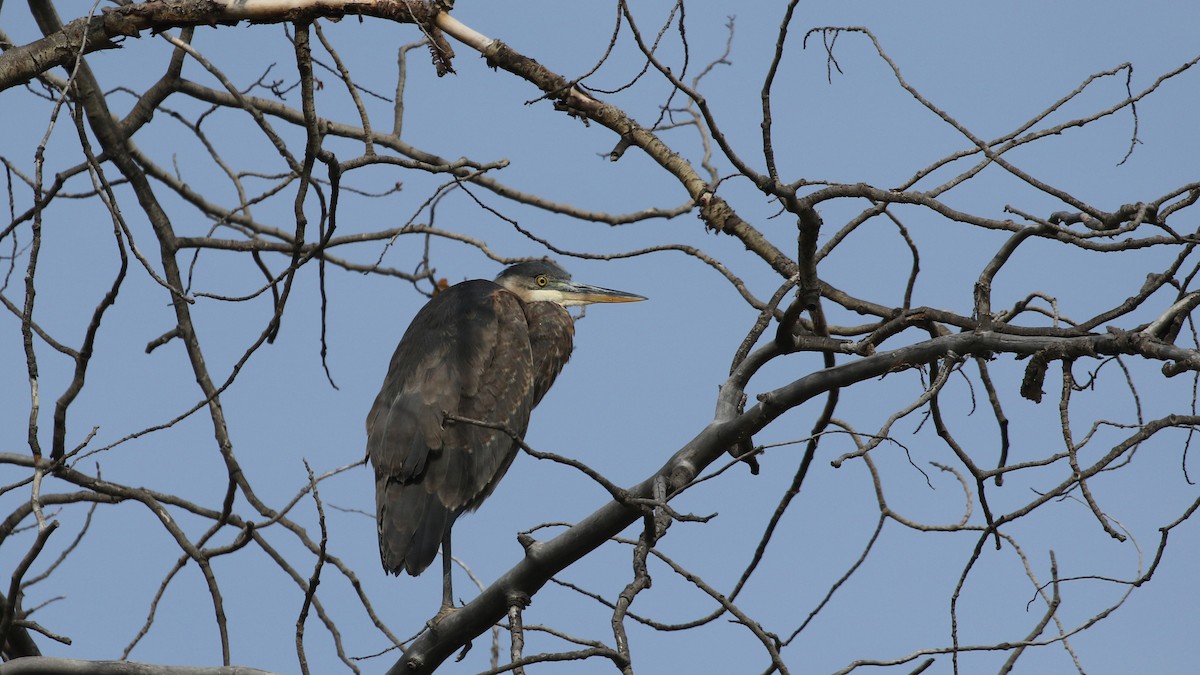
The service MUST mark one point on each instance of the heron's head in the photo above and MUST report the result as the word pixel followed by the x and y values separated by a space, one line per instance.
pixel 544 281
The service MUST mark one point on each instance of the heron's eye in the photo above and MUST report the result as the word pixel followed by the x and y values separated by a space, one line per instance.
pixel 542 280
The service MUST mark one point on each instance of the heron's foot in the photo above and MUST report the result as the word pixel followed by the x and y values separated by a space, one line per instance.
pixel 444 612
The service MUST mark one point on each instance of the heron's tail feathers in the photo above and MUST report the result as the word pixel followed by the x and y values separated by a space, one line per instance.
pixel 412 523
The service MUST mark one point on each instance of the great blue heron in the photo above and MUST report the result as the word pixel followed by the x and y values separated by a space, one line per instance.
pixel 481 350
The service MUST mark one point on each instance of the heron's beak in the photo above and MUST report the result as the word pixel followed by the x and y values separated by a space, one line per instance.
pixel 586 294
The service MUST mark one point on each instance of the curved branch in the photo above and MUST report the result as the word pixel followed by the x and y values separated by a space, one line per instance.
pixel 545 559
pixel 43 665
pixel 717 214
pixel 61 47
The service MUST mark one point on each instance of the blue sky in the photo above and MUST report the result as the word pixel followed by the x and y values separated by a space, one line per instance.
pixel 644 377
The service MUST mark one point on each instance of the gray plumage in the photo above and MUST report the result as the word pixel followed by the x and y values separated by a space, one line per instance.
pixel 482 350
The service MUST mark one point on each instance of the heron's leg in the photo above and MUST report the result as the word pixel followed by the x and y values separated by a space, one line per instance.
pixel 447 585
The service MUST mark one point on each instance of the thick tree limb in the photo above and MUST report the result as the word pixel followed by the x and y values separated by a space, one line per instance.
pixel 545 559
pixel 41 665
pixel 105 30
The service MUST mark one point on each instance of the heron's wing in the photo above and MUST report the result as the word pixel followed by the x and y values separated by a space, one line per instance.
pixel 467 353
